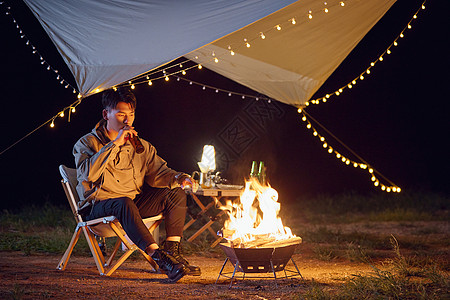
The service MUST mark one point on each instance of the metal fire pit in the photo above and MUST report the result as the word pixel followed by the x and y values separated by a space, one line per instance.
pixel 259 260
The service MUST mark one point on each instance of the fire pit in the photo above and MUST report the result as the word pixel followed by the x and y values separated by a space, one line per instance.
pixel 260 260
pixel 258 242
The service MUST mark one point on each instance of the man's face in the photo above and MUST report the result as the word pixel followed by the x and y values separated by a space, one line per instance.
pixel 119 117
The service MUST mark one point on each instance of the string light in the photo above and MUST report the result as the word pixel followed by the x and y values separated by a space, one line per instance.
pixel 372 64
pixel 347 161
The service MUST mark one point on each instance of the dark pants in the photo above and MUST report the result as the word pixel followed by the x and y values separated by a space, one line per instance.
pixel 151 202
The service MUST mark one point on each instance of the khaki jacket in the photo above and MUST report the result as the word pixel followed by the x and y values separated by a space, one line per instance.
pixel 106 171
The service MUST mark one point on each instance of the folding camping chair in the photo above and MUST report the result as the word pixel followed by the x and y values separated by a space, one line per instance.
pixel 101 227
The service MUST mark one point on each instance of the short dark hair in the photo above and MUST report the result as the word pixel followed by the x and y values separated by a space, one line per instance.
pixel 111 98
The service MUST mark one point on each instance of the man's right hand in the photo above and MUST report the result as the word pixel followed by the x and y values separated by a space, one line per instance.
pixel 124 134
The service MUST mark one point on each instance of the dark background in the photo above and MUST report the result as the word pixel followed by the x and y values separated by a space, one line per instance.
pixel 397 119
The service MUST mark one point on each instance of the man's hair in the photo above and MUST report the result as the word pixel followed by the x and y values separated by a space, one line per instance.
pixel 111 98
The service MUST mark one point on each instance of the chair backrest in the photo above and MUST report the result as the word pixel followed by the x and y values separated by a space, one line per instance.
pixel 69 182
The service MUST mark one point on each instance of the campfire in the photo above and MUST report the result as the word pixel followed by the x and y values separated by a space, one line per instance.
pixel 257 240
pixel 253 222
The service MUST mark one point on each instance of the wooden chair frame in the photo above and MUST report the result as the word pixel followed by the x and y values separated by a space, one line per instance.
pixel 102 227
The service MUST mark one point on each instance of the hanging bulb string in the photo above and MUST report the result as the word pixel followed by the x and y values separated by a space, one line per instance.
pixel 230 93
pixel 70 108
pixel 367 71
pixel 43 62
pixel 364 165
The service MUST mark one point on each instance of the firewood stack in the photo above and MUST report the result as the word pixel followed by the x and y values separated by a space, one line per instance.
pixel 259 241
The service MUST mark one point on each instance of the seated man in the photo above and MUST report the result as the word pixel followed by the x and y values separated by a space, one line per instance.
pixel 115 179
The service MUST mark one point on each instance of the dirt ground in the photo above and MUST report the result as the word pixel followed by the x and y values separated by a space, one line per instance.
pixel 36 277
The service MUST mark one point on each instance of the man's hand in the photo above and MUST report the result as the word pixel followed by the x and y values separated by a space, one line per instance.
pixel 124 135
pixel 186 181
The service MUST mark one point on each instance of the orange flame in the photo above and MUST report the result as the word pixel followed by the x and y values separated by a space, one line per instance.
pixel 255 216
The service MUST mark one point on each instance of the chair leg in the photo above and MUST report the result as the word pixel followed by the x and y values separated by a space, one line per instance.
pixel 94 250
pixel 65 259
pixel 150 260
pixel 120 261
pixel 114 252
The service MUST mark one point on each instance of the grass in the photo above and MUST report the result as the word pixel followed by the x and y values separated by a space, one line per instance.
pixel 335 228
pixel 403 278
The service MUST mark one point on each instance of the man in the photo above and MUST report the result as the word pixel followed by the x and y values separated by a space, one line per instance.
pixel 115 179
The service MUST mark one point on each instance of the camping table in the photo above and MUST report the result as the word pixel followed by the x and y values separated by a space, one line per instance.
pixel 213 195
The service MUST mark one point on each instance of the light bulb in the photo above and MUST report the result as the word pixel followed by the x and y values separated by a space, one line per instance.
pixel 199 66
pixel 299 110
pixel 293 21
pixel 232 52
pixel 361 77
pixel 247 45
pixel 368 71
pixel 278 27
pixel 402 35
pixel 381 58
pixel 370 170
pixel 304 119
pixel 262 35
pixel 73 109
pixel 216 60
pixel 308 126
pixel 150 82
pixel 342 3
pixel 388 51
pixel 395 44
pixel 322 139
pixel 325 145
pixel 325 10
pixel 79 96
pixel 409 26
pixel 183 72
pixel 133 87
pixel 330 150
pixel 61 114
pixel 338 155
pixel 52 125
pixel 315 133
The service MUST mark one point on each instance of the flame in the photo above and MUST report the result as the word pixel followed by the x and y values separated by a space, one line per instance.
pixel 255 215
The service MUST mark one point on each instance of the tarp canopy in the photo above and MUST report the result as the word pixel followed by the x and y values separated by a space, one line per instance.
pixel 108 42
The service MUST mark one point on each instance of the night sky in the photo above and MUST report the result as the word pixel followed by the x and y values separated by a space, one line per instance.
pixel 397 119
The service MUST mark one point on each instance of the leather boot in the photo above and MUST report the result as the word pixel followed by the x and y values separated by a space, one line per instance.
pixel 174 249
pixel 172 267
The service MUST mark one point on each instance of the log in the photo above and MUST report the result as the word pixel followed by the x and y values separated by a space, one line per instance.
pixel 282 243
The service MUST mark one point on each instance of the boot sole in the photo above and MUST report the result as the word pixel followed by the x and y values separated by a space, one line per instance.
pixel 178 277
pixel 194 273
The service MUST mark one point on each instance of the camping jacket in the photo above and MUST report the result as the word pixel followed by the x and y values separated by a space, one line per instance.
pixel 106 171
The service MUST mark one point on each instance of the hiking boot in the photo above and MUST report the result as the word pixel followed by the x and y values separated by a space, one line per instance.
pixel 173 268
pixel 174 249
